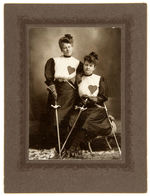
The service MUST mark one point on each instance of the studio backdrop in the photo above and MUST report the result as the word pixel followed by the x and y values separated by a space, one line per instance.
pixel 43 44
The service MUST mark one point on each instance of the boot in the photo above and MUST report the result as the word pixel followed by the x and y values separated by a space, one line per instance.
pixel 75 149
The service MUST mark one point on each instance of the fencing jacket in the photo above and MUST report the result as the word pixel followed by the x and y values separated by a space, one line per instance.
pixel 93 86
pixel 61 67
pixel 89 85
pixel 65 67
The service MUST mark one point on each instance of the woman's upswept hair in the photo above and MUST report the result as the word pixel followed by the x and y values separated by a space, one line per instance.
pixel 91 58
pixel 67 38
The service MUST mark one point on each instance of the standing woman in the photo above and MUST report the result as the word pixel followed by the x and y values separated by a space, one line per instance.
pixel 60 73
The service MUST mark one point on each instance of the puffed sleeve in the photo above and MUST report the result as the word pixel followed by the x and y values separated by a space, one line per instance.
pixel 79 73
pixel 80 68
pixel 103 91
pixel 49 75
pixel 49 72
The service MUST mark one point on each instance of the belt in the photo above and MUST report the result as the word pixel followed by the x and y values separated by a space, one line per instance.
pixel 60 79
pixel 65 80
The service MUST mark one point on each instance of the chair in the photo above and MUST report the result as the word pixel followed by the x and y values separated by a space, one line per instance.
pixel 114 129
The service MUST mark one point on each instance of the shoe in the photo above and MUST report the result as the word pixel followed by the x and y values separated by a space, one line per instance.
pixel 74 151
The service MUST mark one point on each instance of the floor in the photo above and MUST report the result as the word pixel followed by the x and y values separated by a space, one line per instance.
pixel 48 154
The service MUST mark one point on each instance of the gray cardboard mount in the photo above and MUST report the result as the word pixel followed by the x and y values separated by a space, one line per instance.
pixel 126 176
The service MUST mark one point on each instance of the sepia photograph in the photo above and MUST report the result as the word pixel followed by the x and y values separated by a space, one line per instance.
pixel 75 98
pixel 74 93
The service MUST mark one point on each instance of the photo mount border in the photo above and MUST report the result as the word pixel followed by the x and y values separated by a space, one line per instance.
pixel 21 19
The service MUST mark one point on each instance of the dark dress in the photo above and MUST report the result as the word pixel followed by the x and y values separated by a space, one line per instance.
pixel 65 88
pixel 93 121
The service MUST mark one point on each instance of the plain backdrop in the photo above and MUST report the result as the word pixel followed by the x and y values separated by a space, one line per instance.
pixel 43 44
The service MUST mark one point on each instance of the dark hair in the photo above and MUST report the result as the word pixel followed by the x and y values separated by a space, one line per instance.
pixel 91 58
pixel 67 38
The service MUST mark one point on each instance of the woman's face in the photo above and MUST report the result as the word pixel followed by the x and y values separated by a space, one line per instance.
pixel 88 68
pixel 67 49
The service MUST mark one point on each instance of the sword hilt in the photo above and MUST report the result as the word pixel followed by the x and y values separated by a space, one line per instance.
pixel 80 108
pixel 55 106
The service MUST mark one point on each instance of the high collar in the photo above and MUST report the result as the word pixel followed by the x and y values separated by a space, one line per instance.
pixel 66 56
pixel 88 75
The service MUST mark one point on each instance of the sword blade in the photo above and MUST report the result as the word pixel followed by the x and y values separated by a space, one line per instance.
pixel 113 132
pixel 71 130
pixel 58 132
pixel 70 84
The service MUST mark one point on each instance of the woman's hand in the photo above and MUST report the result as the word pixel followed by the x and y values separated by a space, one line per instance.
pixel 89 99
pixel 93 99
pixel 85 99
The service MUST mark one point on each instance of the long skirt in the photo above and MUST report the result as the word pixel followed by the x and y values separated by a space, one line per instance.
pixel 94 121
pixel 66 100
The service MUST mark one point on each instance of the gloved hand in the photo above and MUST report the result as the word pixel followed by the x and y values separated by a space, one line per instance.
pixel 85 99
pixel 52 89
pixel 55 95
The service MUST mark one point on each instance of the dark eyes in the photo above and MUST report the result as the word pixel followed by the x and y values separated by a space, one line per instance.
pixel 65 47
pixel 88 65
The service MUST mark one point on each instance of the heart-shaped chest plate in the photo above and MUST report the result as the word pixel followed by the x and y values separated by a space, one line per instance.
pixel 92 88
pixel 70 70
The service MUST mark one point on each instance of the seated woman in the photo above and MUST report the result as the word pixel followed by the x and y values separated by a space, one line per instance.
pixel 92 92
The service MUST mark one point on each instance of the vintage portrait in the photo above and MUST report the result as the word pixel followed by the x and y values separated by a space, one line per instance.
pixel 75 98
pixel 75 93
